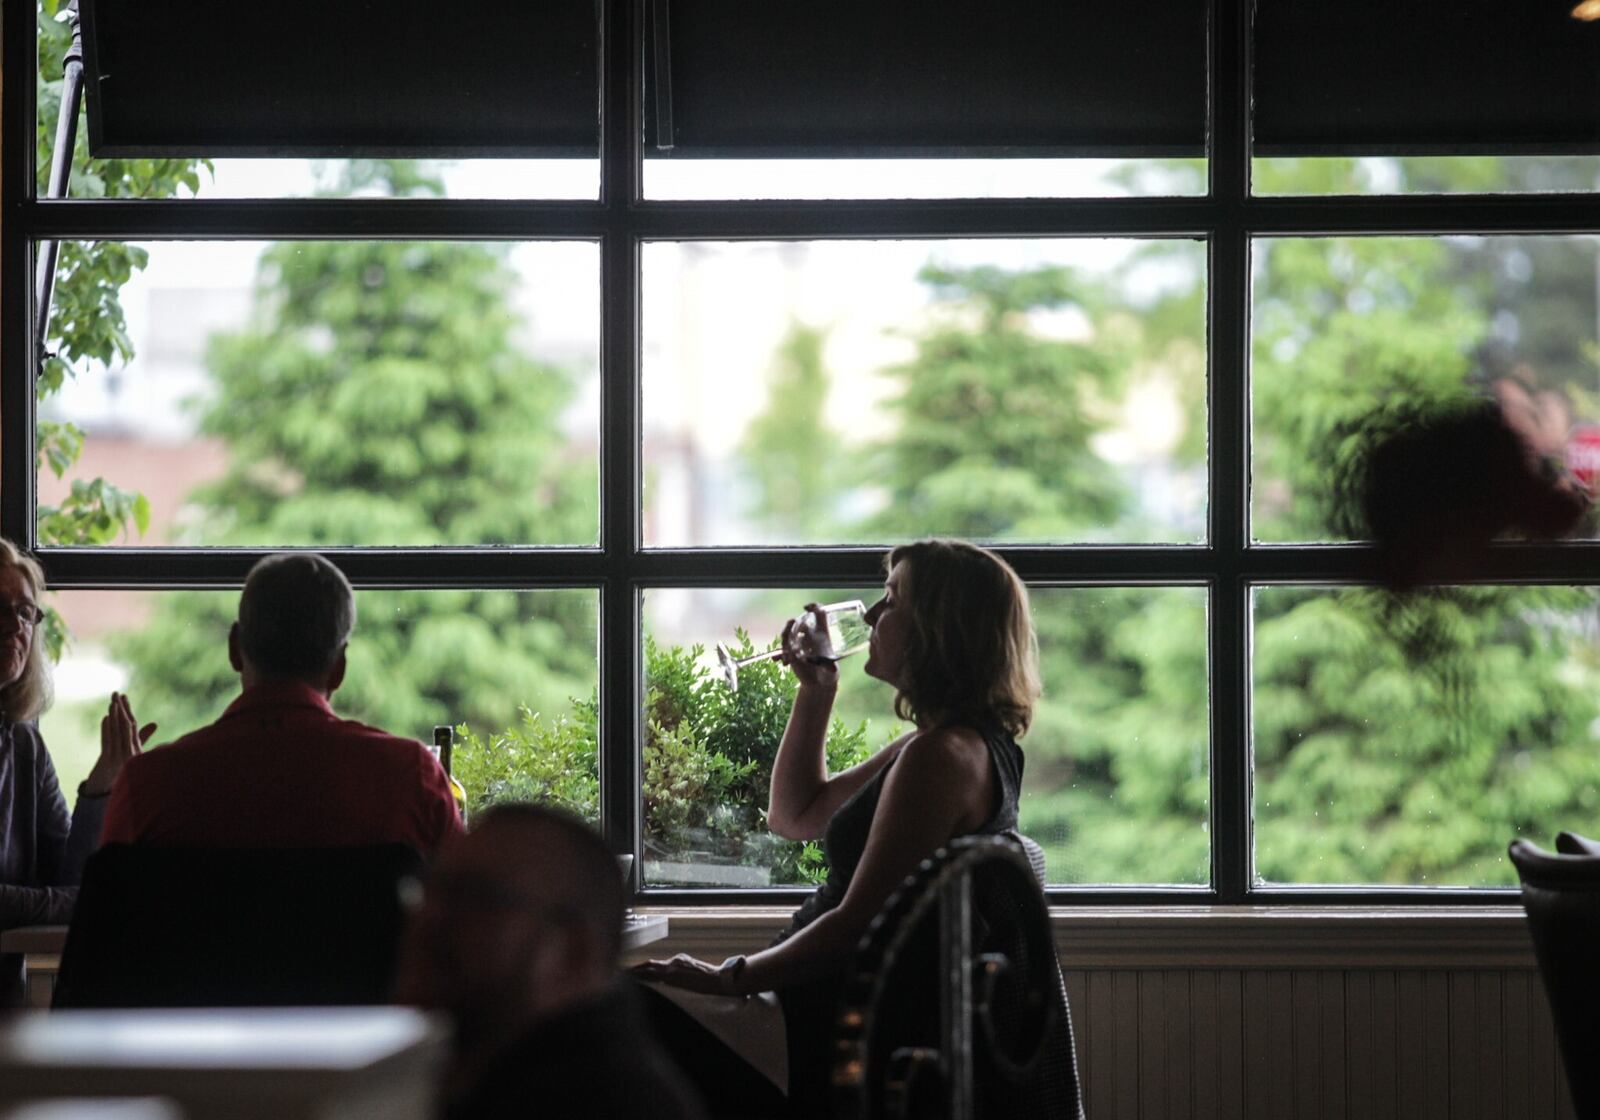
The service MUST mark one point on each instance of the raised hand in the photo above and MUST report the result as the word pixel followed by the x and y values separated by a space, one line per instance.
pixel 121 738
pixel 806 668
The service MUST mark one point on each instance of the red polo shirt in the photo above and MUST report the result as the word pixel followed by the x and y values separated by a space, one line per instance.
pixel 279 769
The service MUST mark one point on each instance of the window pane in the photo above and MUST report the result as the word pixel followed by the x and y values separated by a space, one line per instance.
pixel 1350 333
pixel 1118 781
pixel 857 178
pixel 518 668
pixel 1116 787
pixel 340 178
pixel 1482 97
pixel 1423 174
pixel 857 391
pixel 322 393
pixel 1406 742
pixel 708 750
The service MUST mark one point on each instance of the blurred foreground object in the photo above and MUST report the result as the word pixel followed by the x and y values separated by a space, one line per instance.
pixel 1440 482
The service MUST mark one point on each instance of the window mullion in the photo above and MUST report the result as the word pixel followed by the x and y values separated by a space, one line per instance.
pixel 1228 334
pixel 621 707
pixel 17 344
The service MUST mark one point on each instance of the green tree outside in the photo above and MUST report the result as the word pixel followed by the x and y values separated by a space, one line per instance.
pixel 379 398
pixel 87 324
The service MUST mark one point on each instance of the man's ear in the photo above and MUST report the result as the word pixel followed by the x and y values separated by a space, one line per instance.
pixel 235 654
pixel 336 673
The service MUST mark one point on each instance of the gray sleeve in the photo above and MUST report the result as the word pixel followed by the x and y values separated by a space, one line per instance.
pixel 40 829
pixel 88 817
pixel 35 906
pixel 52 825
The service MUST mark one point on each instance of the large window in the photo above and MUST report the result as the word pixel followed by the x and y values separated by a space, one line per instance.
pixel 570 414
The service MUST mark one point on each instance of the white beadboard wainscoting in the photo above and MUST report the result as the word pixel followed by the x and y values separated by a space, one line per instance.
pixel 1279 1013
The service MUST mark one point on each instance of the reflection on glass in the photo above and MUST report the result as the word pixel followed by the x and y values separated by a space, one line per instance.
pixel 849 392
pixel 311 393
pixel 1116 787
pixel 1346 330
pixel 1406 742
pixel 518 669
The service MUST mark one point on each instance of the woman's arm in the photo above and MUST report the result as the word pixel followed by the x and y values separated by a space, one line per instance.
pixel 941 788
pixel 40 902
pixel 802 798
pixel 35 906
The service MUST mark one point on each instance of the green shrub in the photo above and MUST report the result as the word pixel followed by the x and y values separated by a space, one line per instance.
pixel 553 761
pixel 707 762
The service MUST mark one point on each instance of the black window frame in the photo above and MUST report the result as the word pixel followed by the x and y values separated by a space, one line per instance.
pixel 1227 218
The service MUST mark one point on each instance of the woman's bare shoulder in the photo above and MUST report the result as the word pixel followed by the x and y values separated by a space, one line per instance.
pixel 949 746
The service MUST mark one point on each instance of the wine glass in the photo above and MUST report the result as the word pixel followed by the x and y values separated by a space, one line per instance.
pixel 828 633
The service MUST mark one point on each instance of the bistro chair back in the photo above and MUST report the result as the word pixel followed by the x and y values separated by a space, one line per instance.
pixel 1561 894
pixel 956 1007
pixel 206 927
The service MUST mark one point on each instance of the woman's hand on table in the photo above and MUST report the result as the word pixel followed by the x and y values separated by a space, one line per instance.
pixel 121 738
pixel 694 975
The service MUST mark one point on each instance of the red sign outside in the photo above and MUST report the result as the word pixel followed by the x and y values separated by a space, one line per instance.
pixel 1583 454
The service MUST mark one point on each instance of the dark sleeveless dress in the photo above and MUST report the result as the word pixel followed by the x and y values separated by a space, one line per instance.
pixel 809 1009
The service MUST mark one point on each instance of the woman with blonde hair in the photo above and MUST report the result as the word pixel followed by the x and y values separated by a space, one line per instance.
pixel 42 850
pixel 953 634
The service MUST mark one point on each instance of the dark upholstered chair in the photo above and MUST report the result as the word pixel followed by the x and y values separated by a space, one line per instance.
pixel 1561 893
pixel 956 1005
pixel 202 927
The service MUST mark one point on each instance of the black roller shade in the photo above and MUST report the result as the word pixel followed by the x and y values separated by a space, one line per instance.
pixel 928 77
pixel 341 78
pixel 832 78
pixel 1425 77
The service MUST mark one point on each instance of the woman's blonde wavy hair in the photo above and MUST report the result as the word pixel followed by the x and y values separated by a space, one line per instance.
pixel 30 694
pixel 971 652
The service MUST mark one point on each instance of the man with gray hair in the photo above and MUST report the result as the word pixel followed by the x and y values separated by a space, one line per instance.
pixel 279 768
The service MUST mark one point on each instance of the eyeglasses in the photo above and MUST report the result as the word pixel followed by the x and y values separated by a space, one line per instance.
pixel 26 614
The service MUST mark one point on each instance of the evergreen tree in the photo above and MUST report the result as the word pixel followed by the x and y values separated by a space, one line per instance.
pixel 787 453
pixel 994 444
pixel 379 398
pixel 994 421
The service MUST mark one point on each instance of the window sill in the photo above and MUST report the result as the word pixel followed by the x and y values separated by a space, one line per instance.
pixel 1248 937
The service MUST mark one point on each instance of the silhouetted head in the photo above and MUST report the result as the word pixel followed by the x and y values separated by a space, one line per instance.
pixel 517 920
pixel 295 619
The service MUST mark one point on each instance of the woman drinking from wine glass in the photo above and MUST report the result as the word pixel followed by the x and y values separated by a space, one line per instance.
pixel 954 636
pixel 41 851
